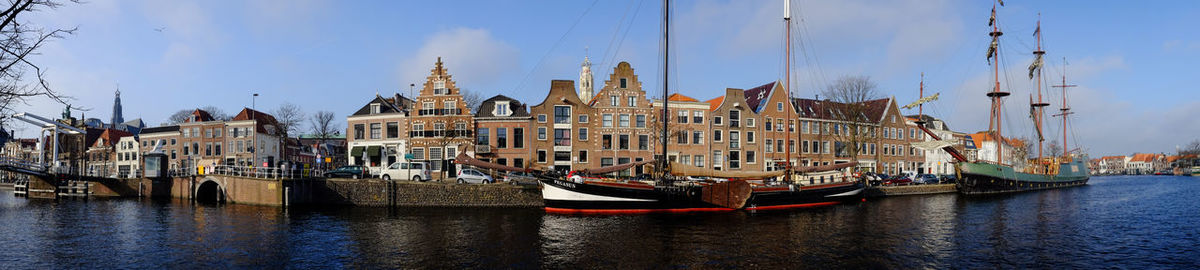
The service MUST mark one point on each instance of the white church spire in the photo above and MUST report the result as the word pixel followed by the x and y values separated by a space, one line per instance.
pixel 585 80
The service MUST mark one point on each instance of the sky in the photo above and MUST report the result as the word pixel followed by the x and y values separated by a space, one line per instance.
pixel 1133 61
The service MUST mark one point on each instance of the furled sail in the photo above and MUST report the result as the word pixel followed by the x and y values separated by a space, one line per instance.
pixel 467 160
pixel 1036 65
pixel 932 145
pixel 680 169
pixel 615 168
pixel 992 49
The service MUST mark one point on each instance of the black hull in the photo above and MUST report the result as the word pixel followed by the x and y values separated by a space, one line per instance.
pixel 767 199
pixel 565 197
pixel 978 184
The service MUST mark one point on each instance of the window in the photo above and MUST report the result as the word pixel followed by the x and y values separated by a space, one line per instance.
pixel 825 147
pixel 418 130
pixel 418 153
pixel 683 117
pixel 216 150
pixel 749 136
pixel 885 133
pixel 519 162
pixel 770 145
pixel 502 109
pixel 623 142
pixel 501 138
pixel 374 108
pixel 393 130
pixel 734 139
pixel 643 142
pixel 460 126
pixel 717 154
pixel 240 147
pixel 562 156
pixel 697 137
pixel 685 159
pixel 735 118
pixel 541 133
pixel 583 118
pixel 614 101
pixel 519 137
pixel 448 105
pixel 439 87
pixel 717 120
pixel 900 134
pixel 816 147
pixel 681 137
pixel 623 83
pixel 697 117
pixel 750 122
pixel 427 105
pixel 623 120
pixel 217 132
pixel 779 106
pixel 562 114
pixel 699 160
pixel 583 132
pixel 481 136
pixel 641 120
pixel 716 135
pixel 872 149
pixel 562 137
pixel 804 146
pixel 750 156
pixel 187 133
pixel 632 101
pixel 606 141
pixel 376 130
pixel 358 132
pixel 791 125
pixel 541 156
pixel 605 162
pixel 583 158
pixel 606 120
pixel 541 118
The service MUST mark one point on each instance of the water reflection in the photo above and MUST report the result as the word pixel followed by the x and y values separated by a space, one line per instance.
pixel 1121 221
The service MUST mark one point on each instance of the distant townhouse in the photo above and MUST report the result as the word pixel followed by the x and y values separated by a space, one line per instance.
pixel 379 132
pixel 253 139
pixel 128 157
pixel 167 139
pixel 502 136
pixel 441 127
pixel 987 147
pixel 102 154
pixel 626 131
pixel 1112 165
pixel 938 161
pixel 688 137
pixel 779 135
pixel 558 117
pixel 1140 163
pixel 735 143
pixel 198 139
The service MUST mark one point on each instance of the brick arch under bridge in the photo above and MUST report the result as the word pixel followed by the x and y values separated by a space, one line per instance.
pixel 210 190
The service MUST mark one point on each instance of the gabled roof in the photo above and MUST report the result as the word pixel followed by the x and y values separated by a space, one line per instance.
pixel 1140 157
pixel 110 136
pixel 386 105
pixel 755 96
pixel 1114 157
pixel 487 107
pixel 199 115
pixel 715 103
pixel 261 119
pixel 681 98
pixel 829 110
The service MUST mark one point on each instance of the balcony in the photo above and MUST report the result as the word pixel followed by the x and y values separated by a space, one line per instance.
pixel 440 133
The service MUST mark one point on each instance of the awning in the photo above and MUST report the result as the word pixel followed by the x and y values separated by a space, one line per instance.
pixel 374 150
pixel 356 151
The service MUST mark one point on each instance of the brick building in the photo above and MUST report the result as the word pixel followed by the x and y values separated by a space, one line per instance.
pixel 734 129
pixel 626 130
pixel 563 130
pixel 378 132
pixel 502 136
pixel 688 138
pixel 441 127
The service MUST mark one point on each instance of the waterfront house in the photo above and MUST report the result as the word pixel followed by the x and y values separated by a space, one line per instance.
pixel 626 127
pixel 441 126
pixel 166 137
pixel 102 154
pixel 128 157
pixel 555 120
pixel 379 132
pixel 734 128
pixel 254 137
pixel 688 137
pixel 938 161
pixel 1140 163
pixel 502 134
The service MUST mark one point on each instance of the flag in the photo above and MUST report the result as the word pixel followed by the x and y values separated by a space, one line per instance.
pixel 1037 31
pixel 1001 2
pixel 992 20
pixel 1035 66
pixel 992 49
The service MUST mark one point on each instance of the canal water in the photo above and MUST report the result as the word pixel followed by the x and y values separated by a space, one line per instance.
pixel 1124 222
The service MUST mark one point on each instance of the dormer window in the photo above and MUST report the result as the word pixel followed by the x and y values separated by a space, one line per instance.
pixel 502 109
pixel 439 87
pixel 374 108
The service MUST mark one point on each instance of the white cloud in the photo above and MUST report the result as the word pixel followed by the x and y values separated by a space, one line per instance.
pixel 276 17
pixel 472 56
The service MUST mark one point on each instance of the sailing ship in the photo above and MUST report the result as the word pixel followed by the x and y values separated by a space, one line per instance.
pixel 988 176
pixel 673 190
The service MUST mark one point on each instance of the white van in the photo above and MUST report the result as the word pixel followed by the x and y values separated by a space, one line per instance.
pixel 406 170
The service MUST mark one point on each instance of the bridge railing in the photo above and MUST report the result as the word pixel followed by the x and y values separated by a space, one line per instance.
pixel 252 172
pixel 22 164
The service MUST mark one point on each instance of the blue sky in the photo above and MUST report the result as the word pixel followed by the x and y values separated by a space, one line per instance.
pixel 1132 60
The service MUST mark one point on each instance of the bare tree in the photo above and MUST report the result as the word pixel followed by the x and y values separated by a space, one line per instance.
pixel 21 78
pixel 1054 149
pixel 1189 154
pixel 472 99
pixel 290 117
pixel 323 127
pixel 848 110
pixel 178 117
pixel 217 113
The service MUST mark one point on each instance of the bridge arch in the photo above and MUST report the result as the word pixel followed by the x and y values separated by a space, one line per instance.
pixel 209 191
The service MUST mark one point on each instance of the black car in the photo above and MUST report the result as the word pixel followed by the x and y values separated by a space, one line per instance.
pixel 351 171
pixel 949 179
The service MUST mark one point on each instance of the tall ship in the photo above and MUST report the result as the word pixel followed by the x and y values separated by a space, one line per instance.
pixel 675 187
pixel 999 166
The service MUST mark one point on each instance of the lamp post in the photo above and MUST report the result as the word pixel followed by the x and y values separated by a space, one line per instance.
pixel 254 141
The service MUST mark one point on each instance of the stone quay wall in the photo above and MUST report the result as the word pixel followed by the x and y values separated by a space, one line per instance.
pixel 910 190
pixel 372 192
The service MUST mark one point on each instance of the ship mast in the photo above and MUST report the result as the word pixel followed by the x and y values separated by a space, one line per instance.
pixel 787 87
pixel 1065 109
pixel 1039 107
pixel 666 79
pixel 996 95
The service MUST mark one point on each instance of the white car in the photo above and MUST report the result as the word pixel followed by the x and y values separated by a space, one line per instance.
pixel 406 170
pixel 473 176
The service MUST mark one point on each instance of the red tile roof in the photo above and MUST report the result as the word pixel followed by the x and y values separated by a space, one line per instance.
pixel 110 136
pixel 1139 157
pixel 681 98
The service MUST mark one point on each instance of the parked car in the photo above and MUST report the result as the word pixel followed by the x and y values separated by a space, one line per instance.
pixel 473 176
pixel 927 179
pixel 898 180
pixel 415 171
pixel 520 178
pixel 349 171
pixel 949 179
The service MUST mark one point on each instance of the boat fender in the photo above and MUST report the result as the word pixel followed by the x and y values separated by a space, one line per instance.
pixel 791 187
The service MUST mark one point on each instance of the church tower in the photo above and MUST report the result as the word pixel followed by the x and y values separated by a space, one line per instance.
pixel 117 118
pixel 585 81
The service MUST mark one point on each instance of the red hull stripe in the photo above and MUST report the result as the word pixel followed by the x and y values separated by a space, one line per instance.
pixel 621 185
pixel 789 206
pixel 631 211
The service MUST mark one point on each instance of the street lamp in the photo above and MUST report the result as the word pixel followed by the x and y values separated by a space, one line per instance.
pixel 254 141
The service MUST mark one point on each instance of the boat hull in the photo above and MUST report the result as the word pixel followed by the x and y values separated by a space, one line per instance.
pixel 987 178
pixel 787 197
pixel 568 197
